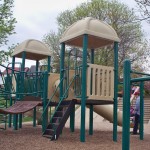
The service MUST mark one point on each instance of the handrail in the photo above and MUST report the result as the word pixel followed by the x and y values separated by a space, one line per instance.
pixel 63 96
pixel 16 71
pixel 51 97
pixel 15 64
pixel 136 72
pixel 9 68
pixel 7 92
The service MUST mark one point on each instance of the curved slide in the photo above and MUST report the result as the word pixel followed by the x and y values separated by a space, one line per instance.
pixel 106 111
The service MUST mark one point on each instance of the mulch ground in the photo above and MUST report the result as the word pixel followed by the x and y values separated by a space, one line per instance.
pixel 30 138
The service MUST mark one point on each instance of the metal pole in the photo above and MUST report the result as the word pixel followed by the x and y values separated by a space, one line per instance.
pixel 36 90
pixel 83 94
pixel 126 106
pixel 22 83
pixel 72 119
pixel 91 106
pixel 115 117
pixel 140 79
pixel 62 58
pixel 45 115
pixel 15 118
pixel 12 72
pixel 141 111
pixel 49 64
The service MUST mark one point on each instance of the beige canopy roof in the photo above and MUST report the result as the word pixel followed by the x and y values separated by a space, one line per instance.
pixel 99 33
pixel 35 50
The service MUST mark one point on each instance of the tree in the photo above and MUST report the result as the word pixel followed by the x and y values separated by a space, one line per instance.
pixel 121 18
pixel 52 41
pixel 7 26
pixel 144 8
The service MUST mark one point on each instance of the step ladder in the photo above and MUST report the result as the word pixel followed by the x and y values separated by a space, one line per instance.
pixel 59 119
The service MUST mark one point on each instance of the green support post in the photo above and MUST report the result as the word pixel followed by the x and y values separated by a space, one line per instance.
pixel 115 115
pixel 91 106
pixel 62 57
pixel 22 83
pixel 36 90
pixel 45 115
pixel 49 70
pixel 72 114
pixel 72 119
pixel 49 64
pixel 15 118
pixel 126 106
pixel 12 72
pixel 91 120
pixel 141 111
pixel 83 94
pixel 16 122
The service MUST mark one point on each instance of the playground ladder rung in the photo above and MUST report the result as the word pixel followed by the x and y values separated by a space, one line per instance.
pixel 56 119
pixel 48 136
pixel 49 132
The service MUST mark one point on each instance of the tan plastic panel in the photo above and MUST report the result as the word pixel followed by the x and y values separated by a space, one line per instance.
pixel 100 82
pixel 53 82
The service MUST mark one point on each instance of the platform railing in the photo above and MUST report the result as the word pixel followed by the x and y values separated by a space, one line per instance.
pixel 100 82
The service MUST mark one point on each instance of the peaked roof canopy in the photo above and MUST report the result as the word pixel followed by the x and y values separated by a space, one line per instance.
pixel 99 33
pixel 35 50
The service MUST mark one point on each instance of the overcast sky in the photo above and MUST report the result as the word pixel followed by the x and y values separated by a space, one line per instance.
pixel 35 18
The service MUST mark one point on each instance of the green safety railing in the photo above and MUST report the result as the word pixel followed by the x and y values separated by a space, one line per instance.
pixel 51 98
pixel 77 88
pixel 30 82
pixel 78 72
pixel 62 98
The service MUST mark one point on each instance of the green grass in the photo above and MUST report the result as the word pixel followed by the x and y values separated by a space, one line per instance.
pixel 27 119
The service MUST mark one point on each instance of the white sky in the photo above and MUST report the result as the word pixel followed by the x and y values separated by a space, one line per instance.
pixel 35 18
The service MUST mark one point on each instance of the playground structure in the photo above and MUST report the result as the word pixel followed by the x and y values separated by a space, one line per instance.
pixel 87 84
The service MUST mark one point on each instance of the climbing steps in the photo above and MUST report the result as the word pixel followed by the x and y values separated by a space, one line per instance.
pixel 59 119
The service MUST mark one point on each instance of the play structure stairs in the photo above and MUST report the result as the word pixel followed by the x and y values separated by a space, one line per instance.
pixel 146 108
pixel 58 120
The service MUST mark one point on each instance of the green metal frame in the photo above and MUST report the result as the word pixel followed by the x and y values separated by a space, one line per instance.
pixel 72 119
pixel 62 55
pixel 45 114
pixel 22 83
pixel 36 89
pixel 13 66
pixel 91 106
pixel 126 103
pixel 115 117
pixel 83 94
pixel 141 110
pixel 126 106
